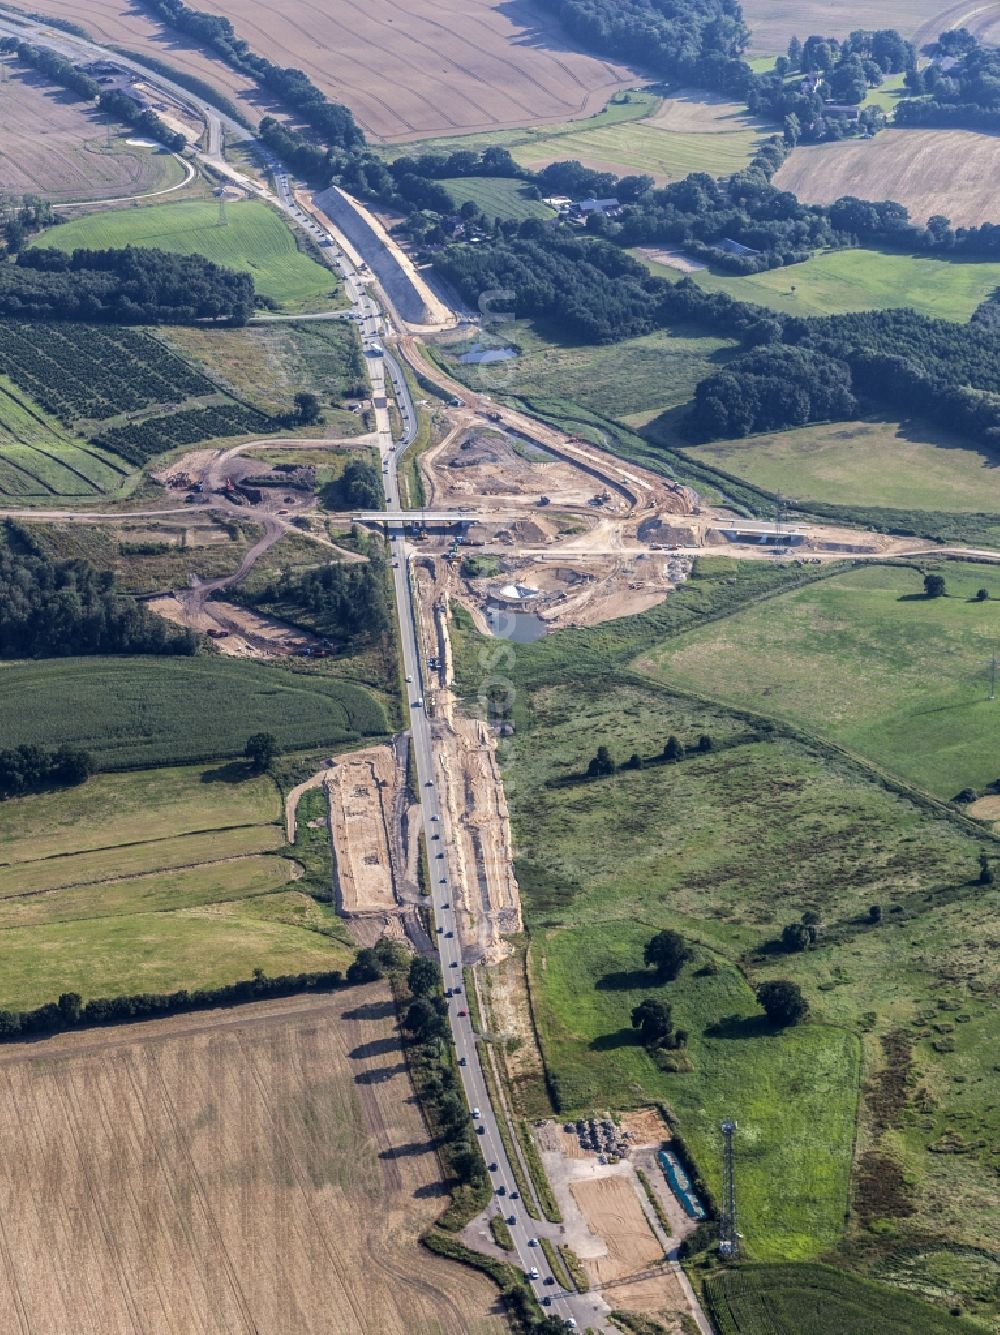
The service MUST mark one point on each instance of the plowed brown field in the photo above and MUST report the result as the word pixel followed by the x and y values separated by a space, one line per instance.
pixel 260 1169
pixel 428 68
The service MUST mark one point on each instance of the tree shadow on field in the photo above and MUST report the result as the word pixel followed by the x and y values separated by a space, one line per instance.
pixel 430 1191
pixel 916 598
pixel 380 1074
pixel 371 1010
pixel 236 771
pixel 377 1047
pixel 625 980
pixel 621 1038
pixel 741 1026
pixel 413 1149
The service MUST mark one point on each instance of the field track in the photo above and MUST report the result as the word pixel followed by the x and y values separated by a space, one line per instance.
pixel 953 172
pixel 405 73
pixel 260 1169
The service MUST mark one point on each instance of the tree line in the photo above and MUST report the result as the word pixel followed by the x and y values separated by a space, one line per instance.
pixel 131 285
pixel 30 769
pixel 57 609
pixel 332 121
pixel 70 1011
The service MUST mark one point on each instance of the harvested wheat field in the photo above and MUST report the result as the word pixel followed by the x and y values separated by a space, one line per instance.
pixel 54 145
pixel 773 22
pixel 124 24
pixel 429 68
pixel 953 172
pixel 258 1169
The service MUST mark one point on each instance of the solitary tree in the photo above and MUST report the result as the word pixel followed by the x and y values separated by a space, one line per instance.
pixel 673 749
pixel 666 952
pixel 425 1021
pixel 306 407
pixel 794 937
pixel 601 763
pixel 934 586
pixel 634 761
pixel 875 913
pixel 985 870
pixel 654 1022
pixel 782 1001
pixel 261 750
pixel 705 742
pixel 365 967
pixel 982 595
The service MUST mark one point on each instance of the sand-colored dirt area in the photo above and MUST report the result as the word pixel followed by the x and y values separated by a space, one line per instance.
pixel 611 1207
pixel 480 826
pixel 488 463
pixel 259 1169
pixel 361 787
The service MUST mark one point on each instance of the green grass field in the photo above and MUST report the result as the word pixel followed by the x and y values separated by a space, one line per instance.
pixel 888 93
pixel 865 660
pixel 644 147
pixel 640 375
pixel 727 847
pixel 160 952
pixel 796 1092
pixel 869 463
pixel 497 197
pixel 139 712
pixel 40 459
pixel 857 280
pixel 817 1300
pixel 154 880
pixel 254 237
pixel 624 107
pixel 109 810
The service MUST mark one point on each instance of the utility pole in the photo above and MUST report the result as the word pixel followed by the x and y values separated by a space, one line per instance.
pixel 729 1238
pixel 993 677
pixel 222 211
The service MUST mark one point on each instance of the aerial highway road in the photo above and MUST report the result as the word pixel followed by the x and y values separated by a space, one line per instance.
pixel 576 1310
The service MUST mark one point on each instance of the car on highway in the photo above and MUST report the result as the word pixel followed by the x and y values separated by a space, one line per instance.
pixel 480 1130
pixel 461 1061
pixel 418 702
pixel 409 678
pixel 440 930
pixel 547 1300
pixel 549 1279
pixel 476 1112
pixel 454 964
pixel 463 1012
pixel 435 818
pixel 449 934
pixel 533 1272
pixel 444 881
pixel 429 783
pixel 515 1195
pixel 532 1242
pixel 493 1167
pixel 512 1219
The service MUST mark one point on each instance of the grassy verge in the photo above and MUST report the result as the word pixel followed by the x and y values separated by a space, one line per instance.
pixel 654 1201
pixel 502 1235
pixel 574 1268
pixel 520 1181
pixel 556 1263
pixel 539 1177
